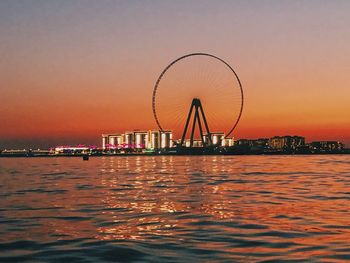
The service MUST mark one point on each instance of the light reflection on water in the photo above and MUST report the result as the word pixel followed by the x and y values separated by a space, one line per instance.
pixel 173 208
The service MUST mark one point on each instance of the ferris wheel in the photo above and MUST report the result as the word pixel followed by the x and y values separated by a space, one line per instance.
pixel 198 89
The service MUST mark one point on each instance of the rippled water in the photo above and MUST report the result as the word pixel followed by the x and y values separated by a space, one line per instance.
pixel 175 209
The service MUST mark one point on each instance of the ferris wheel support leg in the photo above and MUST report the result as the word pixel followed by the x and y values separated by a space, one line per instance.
pixel 205 123
pixel 200 128
pixel 186 125
pixel 194 125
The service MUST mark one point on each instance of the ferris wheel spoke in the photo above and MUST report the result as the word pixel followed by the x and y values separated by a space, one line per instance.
pixel 205 77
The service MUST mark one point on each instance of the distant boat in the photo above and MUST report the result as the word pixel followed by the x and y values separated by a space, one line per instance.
pixel 85 157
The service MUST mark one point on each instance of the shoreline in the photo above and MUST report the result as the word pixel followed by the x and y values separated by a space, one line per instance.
pixel 161 154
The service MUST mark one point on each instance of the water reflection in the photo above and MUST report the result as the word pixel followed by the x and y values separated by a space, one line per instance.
pixel 237 208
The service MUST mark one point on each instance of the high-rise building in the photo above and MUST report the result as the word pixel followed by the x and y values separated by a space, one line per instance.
pixel 159 139
pixel 154 140
pixel 104 141
pixel 138 140
pixel 141 139
pixel 129 140
pixel 115 141
pixel 166 139
pixel 112 141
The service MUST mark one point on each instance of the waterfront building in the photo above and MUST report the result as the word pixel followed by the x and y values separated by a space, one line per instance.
pixel 217 138
pixel 112 141
pixel 243 142
pixel 129 139
pixel 282 143
pixel 160 139
pixel 154 140
pixel 115 141
pixel 326 146
pixel 228 142
pixel 79 149
pixel 196 143
pixel 141 139
pixel 104 141
pixel 138 140
pixel 261 143
pixel 166 139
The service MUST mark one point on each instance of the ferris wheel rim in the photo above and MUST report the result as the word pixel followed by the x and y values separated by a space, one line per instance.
pixel 155 88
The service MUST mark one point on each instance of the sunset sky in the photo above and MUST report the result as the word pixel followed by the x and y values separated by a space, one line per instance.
pixel 71 70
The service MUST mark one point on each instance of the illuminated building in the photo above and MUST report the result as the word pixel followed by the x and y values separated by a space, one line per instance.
pixel 166 139
pixel 217 138
pixel 104 141
pixel 154 140
pixel 227 142
pixel 129 139
pixel 141 139
pixel 286 142
pixel 138 140
pixel 326 146
pixel 112 141
pixel 72 149
pixel 196 143
pixel 159 139
pixel 115 140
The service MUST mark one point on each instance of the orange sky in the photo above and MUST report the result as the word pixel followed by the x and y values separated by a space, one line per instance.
pixel 71 70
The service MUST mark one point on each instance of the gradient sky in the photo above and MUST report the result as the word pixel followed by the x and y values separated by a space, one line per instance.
pixel 71 70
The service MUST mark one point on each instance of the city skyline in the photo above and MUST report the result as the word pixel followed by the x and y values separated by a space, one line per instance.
pixel 72 70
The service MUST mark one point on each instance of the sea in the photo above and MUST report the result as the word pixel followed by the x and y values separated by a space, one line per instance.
pixel 264 208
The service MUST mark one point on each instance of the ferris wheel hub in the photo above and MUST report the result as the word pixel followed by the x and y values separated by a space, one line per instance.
pixel 198 118
pixel 196 101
